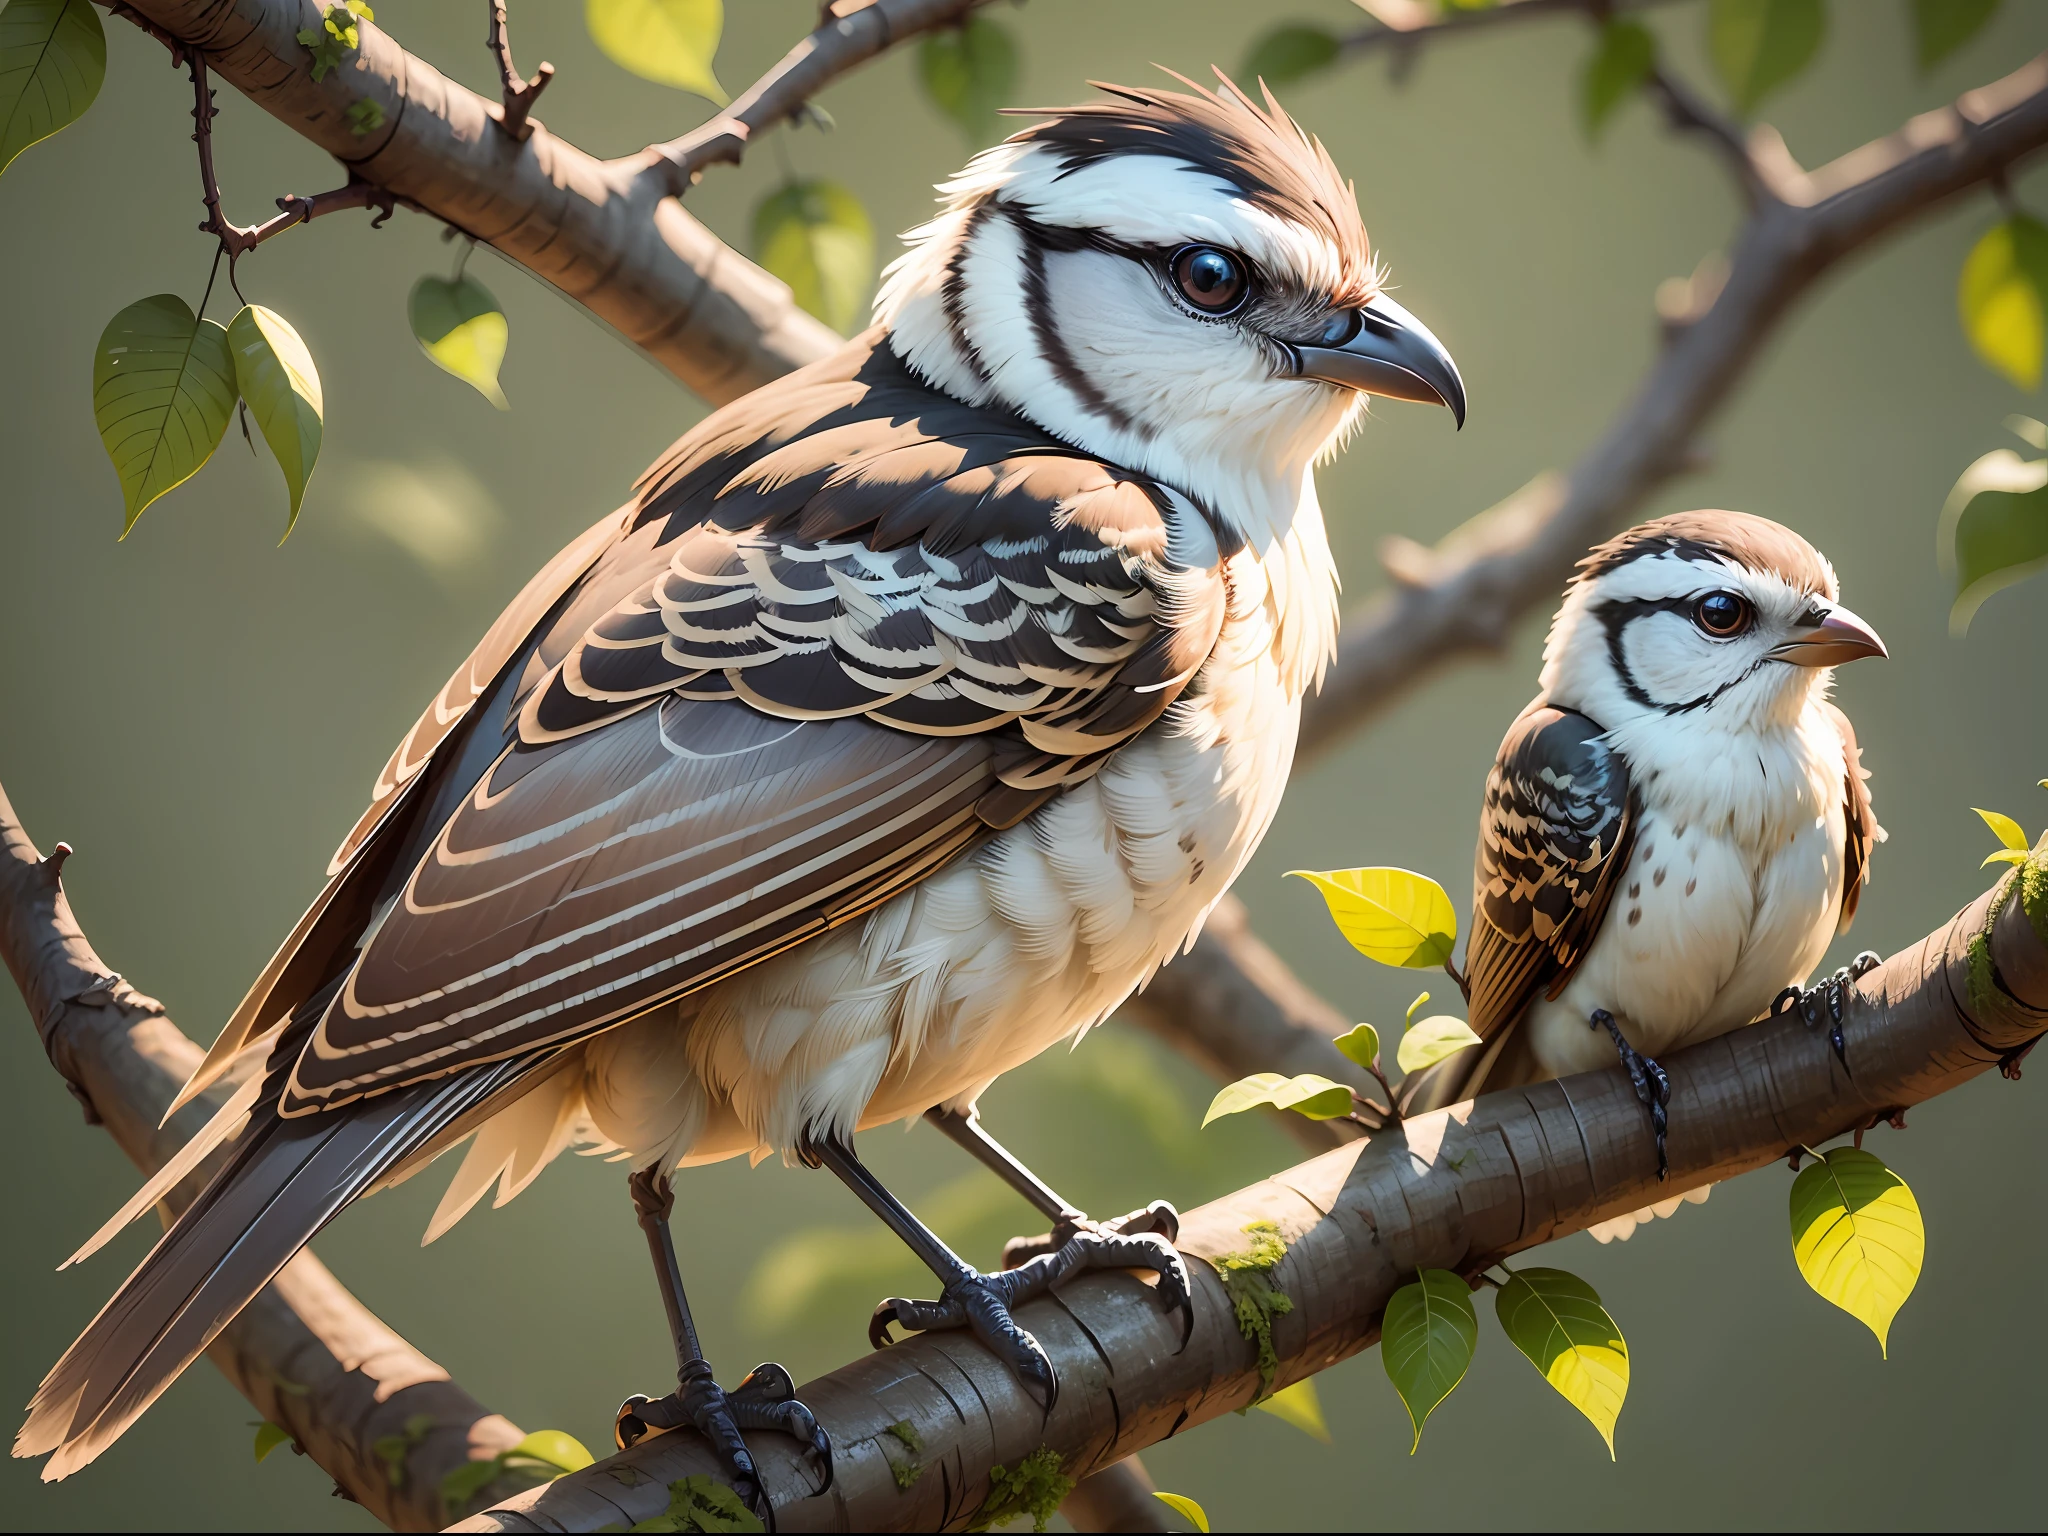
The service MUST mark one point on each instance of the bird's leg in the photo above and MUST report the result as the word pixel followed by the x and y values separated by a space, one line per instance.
pixel 1653 1088
pixel 1828 999
pixel 765 1400
pixel 1067 1220
pixel 984 1303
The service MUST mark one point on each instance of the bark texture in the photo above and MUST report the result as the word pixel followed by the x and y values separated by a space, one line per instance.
pixel 1459 1189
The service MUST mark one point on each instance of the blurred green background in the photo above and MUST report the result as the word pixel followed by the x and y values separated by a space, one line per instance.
pixel 201 713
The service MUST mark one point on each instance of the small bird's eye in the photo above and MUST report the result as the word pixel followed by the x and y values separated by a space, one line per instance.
pixel 1340 329
pixel 1211 280
pixel 1722 614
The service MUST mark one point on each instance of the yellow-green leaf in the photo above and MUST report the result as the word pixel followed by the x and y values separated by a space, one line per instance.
pixel 2005 829
pixel 969 72
pixel 2002 296
pixel 53 60
pixel 1316 1097
pixel 1300 1406
pixel 1621 62
pixel 1940 27
pixel 1857 1236
pixel 671 42
pixel 463 331
pixel 1361 1043
pixel 1394 916
pixel 1427 1337
pixel 1993 530
pixel 816 237
pixel 163 389
pixel 1291 52
pixel 269 1437
pixel 1187 1509
pixel 1556 1320
pixel 1759 45
pixel 564 1452
pixel 276 375
pixel 1429 1042
pixel 2003 856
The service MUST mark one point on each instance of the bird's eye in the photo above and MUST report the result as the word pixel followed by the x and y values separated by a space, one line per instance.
pixel 1211 280
pixel 1722 614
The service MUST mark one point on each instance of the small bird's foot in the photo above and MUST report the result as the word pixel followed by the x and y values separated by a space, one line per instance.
pixel 765 1400
pixel 1159 1217
pixel 1653 1087
pixel 985 1303
pixel 1827 1000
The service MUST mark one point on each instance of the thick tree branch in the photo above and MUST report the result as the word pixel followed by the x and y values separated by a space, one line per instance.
pixel 1460 1190
pixel 305 1352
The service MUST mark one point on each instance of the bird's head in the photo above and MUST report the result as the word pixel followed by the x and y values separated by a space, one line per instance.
pixel 1716 618
pixel 1179 282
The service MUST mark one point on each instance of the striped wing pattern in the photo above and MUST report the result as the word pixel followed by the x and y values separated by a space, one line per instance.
pixel 1864 832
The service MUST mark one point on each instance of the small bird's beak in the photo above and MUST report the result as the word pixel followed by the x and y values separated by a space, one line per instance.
pixel 1393 354
pixel 1829 636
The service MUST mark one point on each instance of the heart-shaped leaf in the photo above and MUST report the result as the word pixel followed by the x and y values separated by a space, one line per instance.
pixel 1428 1042
pixel 1940 27
pixel 969 72
pixel 53 60
pixel 1361 1043
pixel 1994 529
pixel 1427 1337
pixel 816 237
pixel 1290 53
pixel 1556 1320
pixel 1300 1406
pixel 461 328
pixel 1186 1508
pixel 1394 916
pixel 1760 45
pixel 1316 1097
pixel 1621 62
pixel 2002 295
pixel 1857 1236
pixel 280 383
pixel 163 388
pixel 671 42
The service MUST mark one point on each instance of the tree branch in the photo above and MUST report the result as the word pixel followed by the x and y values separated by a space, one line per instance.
pixel 1404 25
pixel 305 1352
pixel 520 93
pixel 1460 1189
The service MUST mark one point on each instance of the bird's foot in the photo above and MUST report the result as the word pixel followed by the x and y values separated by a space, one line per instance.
pixel 1159 1217
pixel 1827 1000
pixel 1653 1087
pixel 765 1400
pixel 985 1303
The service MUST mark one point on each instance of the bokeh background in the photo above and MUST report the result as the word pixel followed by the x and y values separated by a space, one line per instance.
pixel 201 713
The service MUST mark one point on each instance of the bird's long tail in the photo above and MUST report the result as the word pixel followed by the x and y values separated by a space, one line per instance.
pixel 287 1181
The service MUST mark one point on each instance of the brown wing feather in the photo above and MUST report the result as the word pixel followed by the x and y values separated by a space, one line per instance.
pixel 1864 834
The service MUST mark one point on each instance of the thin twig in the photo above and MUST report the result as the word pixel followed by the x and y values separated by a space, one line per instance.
pixel 1688 112
pixel 520 94
pixel 1448 23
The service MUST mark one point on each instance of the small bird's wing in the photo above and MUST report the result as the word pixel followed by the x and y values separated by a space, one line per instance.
pixel 1554 837
pixel 1864 832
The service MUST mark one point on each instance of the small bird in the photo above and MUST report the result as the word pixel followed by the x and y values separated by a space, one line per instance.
pixel 915 710
pixel 1678 825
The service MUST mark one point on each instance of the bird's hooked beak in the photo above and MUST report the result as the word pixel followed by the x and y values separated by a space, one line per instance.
pixel 1387 352
pixel 1828 636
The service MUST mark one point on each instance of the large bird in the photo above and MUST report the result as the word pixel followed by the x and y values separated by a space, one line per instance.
pixel 1678 825
pixel 914 711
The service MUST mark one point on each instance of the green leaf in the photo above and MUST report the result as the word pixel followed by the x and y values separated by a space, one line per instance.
pixel 365 117
pixel 702 1503
pixel 53 59
pixel 1316 1097
pixel 269 1437
pixel 1621 62
pixel 1556 1320
pixel 564 1452
pixel 1994 529
pixel 1300 1406
pixel 1857 1236
pixel 816 237
pixel 1361 1043
pixel 1760 45
pixel 1187 1509
pixel 462 330
pixel 671 42
pixel 1427 1337
pixel 2001 297
pixel 1427 1043
pixel 1943 26
pixel 1394 916
pixel 336 35
pixel 163 388
pixel 1289 53
pixel 2005 829
pixel 969 72
pixel 462 1484
pixel 276 375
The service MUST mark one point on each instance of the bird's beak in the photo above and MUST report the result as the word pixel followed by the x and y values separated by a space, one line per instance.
pixel 1393 354
pixel 1829 636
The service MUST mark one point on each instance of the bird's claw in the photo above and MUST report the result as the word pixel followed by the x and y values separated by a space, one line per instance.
pixel 1652 1085
pixel 1828 1000
pixel 766 1399
pixel 1159 1217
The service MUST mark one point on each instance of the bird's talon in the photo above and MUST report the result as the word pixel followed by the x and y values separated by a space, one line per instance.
pixel 765 1400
